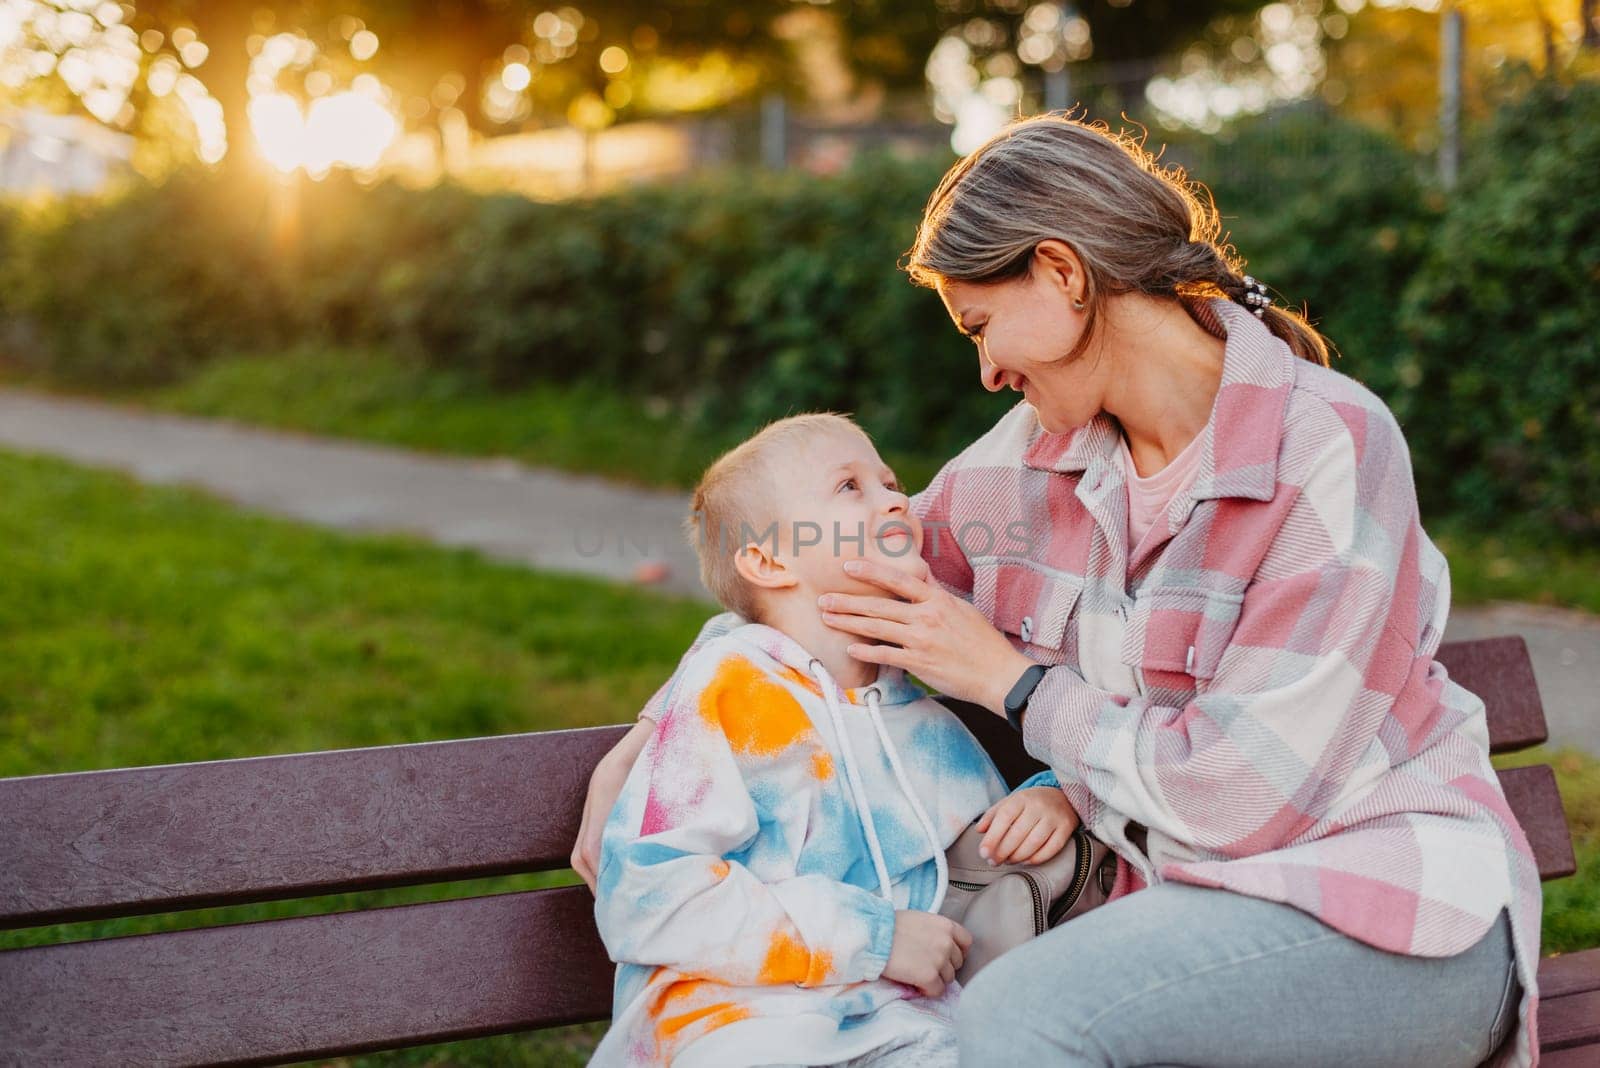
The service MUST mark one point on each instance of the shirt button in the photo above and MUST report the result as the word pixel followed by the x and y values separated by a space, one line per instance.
pixel 1027 628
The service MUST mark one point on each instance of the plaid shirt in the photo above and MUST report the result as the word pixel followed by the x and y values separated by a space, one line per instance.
pixel 1257 691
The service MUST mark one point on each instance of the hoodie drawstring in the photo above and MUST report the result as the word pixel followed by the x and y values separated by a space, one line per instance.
pixel 853 778
pixel 940 865
pixel 858 792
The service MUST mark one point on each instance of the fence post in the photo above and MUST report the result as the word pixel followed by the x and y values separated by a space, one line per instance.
pixel 1058 83
pixel 1449 96
pixel 1058 89
pixel 774 119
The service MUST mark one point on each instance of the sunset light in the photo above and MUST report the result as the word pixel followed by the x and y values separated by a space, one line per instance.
pixel 348 129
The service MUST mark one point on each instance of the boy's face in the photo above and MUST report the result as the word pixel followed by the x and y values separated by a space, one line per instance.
pixel 841 502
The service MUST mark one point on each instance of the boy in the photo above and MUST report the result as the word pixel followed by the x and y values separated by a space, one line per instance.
pixel 771 874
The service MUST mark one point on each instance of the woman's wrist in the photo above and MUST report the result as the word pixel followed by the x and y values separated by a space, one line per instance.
pixel 1002 679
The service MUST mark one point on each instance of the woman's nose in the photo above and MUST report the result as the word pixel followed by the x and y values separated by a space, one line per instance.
pixel 990 375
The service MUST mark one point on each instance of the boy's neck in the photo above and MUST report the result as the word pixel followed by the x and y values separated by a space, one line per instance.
pixel 821 641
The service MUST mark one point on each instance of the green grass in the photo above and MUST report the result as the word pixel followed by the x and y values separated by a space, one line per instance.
pixel 1571 905
pixel 147 625
pixel 144 625
pixel 1519 567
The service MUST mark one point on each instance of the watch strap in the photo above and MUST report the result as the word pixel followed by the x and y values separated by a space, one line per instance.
pixel 1017 700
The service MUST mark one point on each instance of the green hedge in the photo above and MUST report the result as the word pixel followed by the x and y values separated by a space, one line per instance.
pixel 144 289
pixel 742 296
pixel 1504 324
pixel 1335 218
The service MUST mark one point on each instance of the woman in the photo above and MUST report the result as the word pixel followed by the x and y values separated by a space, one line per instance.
pixel 1210 540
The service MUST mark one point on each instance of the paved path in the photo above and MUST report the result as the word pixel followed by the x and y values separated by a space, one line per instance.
pixel 546 518
pixel 565 522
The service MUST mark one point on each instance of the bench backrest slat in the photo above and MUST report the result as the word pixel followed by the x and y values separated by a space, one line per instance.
pixel 1500 671
pixel 311 986
pixel 89 845
pixel 1536 802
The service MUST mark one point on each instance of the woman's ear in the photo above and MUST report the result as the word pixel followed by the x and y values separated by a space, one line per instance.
pixel 1057 265
pixel 758 566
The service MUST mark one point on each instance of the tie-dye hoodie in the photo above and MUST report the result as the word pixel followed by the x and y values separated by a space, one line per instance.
pixel 751 869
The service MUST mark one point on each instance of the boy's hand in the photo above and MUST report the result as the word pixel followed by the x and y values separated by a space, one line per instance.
pixel 928 948
pixel 1028 827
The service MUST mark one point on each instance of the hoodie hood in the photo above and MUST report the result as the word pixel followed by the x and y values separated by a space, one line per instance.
pixel 892 684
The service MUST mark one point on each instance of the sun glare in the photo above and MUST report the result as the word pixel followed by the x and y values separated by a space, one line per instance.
pixel 346 129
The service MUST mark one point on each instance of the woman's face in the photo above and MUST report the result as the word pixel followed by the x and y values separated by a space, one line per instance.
pixel 1023 328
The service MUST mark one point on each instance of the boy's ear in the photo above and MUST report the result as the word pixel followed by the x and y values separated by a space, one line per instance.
pixel 757 566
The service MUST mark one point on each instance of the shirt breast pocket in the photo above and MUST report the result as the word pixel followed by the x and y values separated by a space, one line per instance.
pixel 1031 604
pixel 1175 639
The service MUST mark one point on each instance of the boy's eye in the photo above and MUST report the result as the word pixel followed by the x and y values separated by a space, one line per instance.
pixel 847 482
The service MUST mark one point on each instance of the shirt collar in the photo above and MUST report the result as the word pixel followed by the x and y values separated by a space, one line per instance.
pixel 1239 451
pixel 893 685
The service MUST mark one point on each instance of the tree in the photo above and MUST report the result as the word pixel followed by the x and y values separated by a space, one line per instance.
pixel 1385 69
pixel 438 54
pixel 1119 46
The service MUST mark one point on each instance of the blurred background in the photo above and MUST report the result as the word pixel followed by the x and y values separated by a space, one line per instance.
pixel 699 208
pixel 606 241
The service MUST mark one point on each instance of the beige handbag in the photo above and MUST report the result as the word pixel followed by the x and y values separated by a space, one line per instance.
pixel 1004 905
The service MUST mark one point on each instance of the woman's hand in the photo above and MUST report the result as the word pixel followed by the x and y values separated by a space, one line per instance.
pixel 1029 827
pixel 604 786
pixel 943 640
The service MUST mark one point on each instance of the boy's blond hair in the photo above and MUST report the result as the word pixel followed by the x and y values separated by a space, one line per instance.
pixel 738 500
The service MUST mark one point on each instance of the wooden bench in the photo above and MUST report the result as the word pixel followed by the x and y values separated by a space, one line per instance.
pixel 91 845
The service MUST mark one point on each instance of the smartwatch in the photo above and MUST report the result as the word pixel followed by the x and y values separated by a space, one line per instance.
pixel 1017 699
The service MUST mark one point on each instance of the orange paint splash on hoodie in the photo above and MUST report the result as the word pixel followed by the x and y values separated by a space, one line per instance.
pixel 759 717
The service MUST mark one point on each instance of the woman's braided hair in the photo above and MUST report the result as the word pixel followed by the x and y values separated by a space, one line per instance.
pixel 1135 225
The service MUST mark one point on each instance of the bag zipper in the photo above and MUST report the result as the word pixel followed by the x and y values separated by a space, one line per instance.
pixel 1080 878
pixel 1038 904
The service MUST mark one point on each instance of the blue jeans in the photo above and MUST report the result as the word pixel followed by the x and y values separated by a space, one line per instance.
pixel 1185 975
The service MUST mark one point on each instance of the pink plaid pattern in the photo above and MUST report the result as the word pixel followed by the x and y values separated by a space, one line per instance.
pixel 1258 689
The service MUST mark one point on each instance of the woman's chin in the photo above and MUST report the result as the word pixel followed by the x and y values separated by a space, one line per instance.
pixel 1052 423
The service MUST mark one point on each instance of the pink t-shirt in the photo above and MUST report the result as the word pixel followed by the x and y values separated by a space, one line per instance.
pixel 1148 497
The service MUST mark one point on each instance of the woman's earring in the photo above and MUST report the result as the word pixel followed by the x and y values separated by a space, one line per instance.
pixel 1078 305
